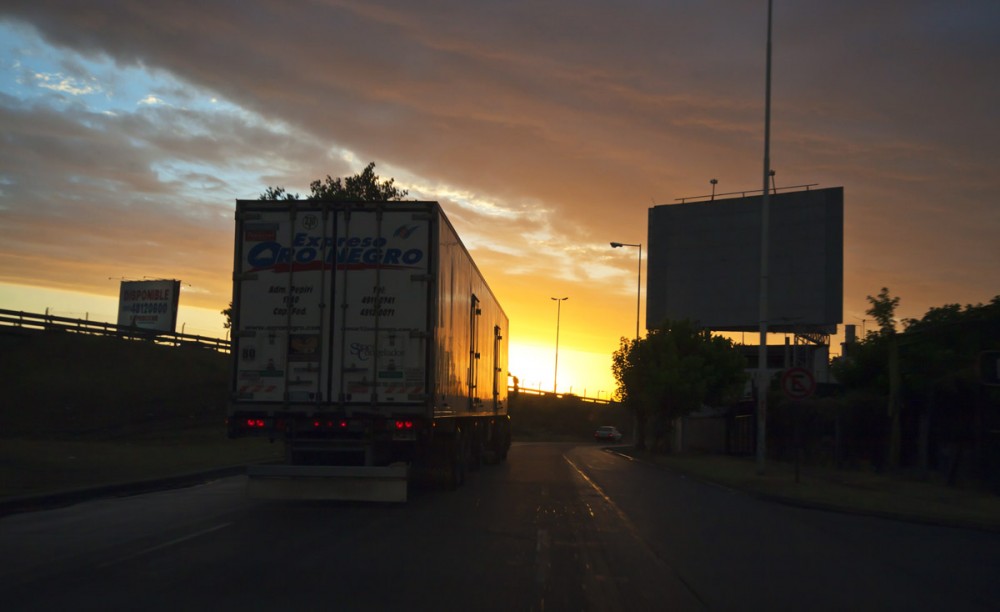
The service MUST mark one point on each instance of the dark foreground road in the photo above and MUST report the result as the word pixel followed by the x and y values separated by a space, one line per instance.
pixel 559 527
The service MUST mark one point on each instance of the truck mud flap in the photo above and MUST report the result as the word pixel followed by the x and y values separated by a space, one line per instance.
pixel 317 482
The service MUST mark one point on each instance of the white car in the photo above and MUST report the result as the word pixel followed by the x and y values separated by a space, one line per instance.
pixel 607 433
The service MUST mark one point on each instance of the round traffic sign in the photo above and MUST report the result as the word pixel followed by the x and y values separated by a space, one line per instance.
pixel 798 383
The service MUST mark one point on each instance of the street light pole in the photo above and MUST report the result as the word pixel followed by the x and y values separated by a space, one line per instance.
pixel 638 300
pixel 555 376
pixel 638 290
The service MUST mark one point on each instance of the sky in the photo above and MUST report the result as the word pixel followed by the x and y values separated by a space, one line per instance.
pixel 545 129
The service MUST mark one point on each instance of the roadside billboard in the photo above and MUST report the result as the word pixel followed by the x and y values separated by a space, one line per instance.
pixel 704 262
pixel 149 305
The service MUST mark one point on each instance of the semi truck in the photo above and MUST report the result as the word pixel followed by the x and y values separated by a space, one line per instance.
pixel 364 338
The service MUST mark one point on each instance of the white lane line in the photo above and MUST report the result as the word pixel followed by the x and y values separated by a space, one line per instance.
pixel 634 531
pixel 173 542
pixel 621 515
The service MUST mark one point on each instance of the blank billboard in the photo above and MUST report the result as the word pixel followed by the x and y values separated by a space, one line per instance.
pixel 704 262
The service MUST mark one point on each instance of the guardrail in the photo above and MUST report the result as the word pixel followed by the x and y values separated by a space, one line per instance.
pixel 45 322
pixel 550 394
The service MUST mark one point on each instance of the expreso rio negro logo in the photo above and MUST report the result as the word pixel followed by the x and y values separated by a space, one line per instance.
pixel 313 252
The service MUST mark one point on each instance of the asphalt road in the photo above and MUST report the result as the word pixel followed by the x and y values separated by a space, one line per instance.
pixel 558 527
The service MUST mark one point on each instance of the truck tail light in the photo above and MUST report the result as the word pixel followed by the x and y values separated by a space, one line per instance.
pixel 403 429
pixel 330 424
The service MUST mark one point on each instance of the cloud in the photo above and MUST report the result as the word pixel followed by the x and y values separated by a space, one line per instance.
pixel 546 130
pixel 63 84
pixel 151 100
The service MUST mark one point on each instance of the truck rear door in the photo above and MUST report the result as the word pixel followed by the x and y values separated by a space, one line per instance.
pixel 381 298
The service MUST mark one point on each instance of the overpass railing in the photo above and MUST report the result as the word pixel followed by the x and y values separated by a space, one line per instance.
pixel 14 319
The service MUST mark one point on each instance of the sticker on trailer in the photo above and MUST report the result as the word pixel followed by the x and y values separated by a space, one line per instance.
pixel 383 303
pixel 282 312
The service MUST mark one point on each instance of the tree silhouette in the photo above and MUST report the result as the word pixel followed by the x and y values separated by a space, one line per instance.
pixel 364 186
pixel 883 309
pixel 672 372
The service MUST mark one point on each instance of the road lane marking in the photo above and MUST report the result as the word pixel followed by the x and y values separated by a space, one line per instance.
pixel 634 531
pixel 621 515
pixel 167 544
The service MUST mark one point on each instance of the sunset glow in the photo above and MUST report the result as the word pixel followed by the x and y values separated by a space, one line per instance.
pixel 129 131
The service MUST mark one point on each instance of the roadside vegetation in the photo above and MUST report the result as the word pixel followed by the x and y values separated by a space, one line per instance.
pixel 910 397
pixel 82 410
pixel 673 371
pixel 915 399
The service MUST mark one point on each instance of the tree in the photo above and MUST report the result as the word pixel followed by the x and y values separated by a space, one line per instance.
pixel 672 372
pixel 883 309
pixel 929 374
pixel 364 186
pixel 939 356
pixel 227 312
pixel 278 193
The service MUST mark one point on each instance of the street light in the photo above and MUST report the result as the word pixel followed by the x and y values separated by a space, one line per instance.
pixel 638 299
pixel 555 376
pixel 638 293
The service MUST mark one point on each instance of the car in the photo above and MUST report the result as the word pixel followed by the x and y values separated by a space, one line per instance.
pixel 607 433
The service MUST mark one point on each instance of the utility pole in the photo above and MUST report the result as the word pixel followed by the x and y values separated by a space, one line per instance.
pixel 762 378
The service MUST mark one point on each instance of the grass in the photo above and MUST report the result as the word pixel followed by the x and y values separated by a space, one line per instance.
pixel 84 410
pixel 867 492
pixel 33 466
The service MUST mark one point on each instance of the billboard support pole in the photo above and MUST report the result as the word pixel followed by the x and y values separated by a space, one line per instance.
pixel 762 378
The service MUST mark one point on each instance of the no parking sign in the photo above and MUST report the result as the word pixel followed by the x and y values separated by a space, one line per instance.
pixel 798 383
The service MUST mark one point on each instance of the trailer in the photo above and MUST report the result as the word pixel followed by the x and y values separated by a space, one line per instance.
pixel 366 340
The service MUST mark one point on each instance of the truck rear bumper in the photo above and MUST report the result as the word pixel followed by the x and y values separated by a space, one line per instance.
pixel 318 482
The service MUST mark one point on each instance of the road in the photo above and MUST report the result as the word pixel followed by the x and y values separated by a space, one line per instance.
pixel 558 527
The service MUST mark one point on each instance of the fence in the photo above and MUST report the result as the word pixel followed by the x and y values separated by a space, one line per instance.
pixel 44 322
pixel 550 394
